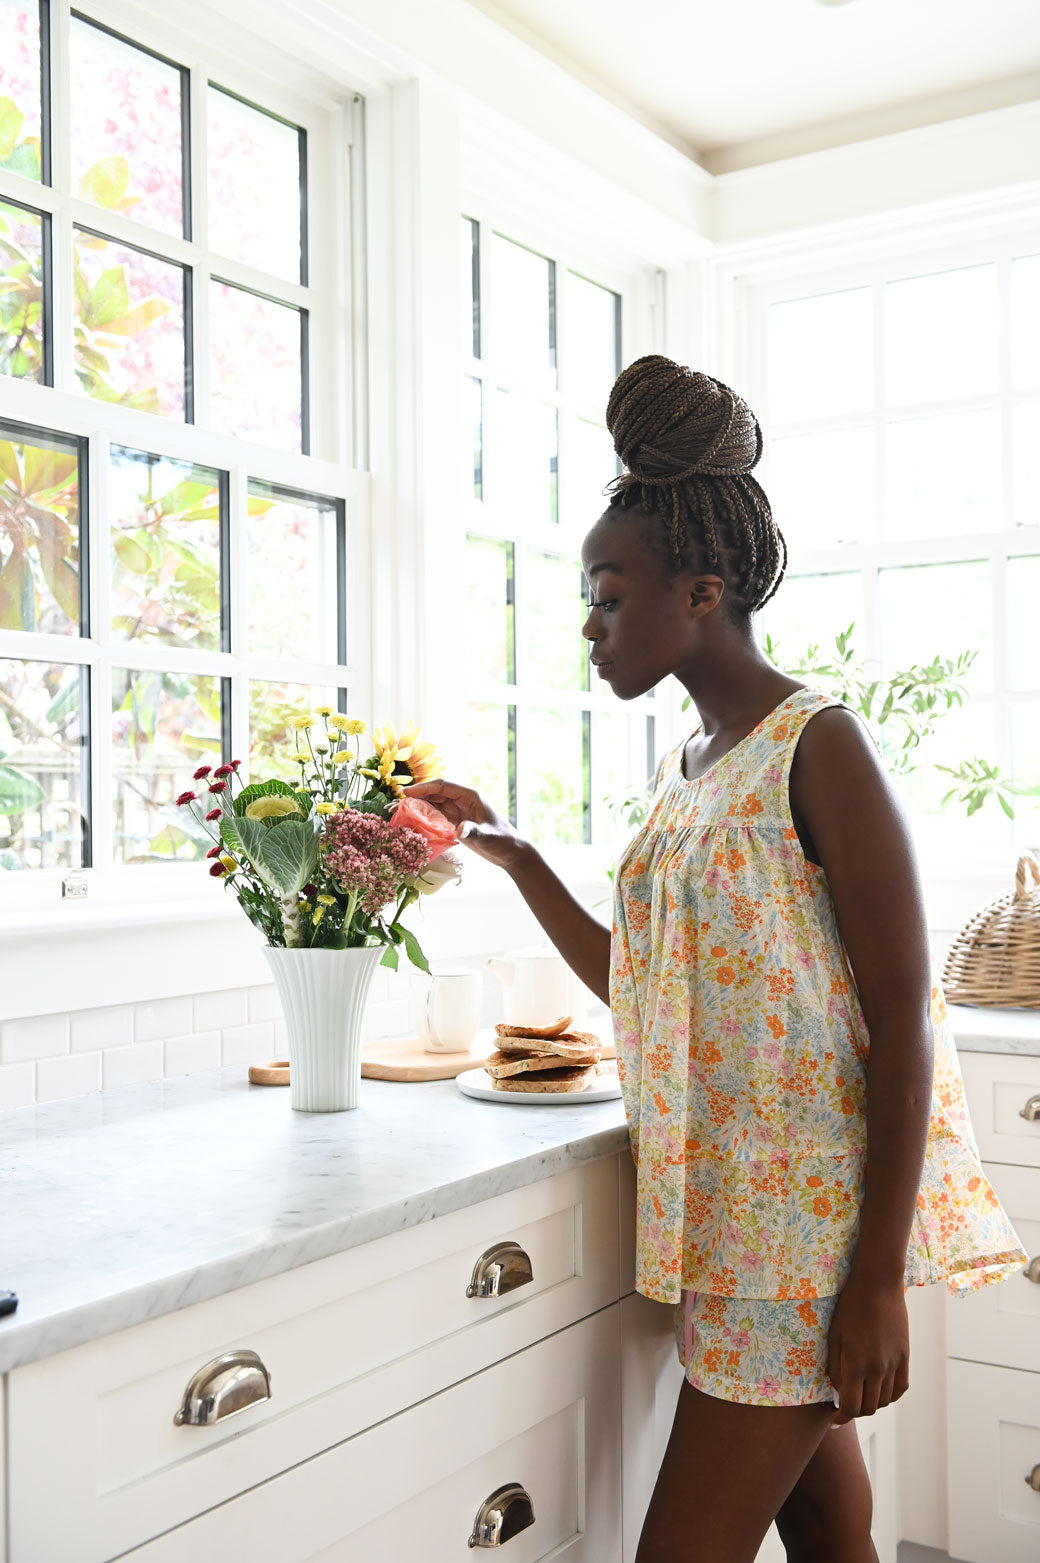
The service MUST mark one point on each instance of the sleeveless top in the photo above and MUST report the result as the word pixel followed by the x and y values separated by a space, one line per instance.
pixel 742 1053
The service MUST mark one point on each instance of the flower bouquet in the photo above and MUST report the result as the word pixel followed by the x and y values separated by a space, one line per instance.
pixel 325 865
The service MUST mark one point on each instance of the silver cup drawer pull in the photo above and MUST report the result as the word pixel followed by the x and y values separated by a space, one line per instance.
pixel 1032 1270
pixel 500 1269
pixel 1031 1111
pixel 1033 1479
pixel 505 1514
pixel 228 1384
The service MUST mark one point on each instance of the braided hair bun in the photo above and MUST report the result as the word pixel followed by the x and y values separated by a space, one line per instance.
pixel 689 444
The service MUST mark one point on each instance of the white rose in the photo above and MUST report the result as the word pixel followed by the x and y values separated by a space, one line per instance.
pixel 444 870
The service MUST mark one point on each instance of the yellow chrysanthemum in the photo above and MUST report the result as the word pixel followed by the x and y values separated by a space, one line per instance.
pixel 343 757
pixel 339 721
pixel 326 900
pixel 230 863
pixel 301 759
pixel 319 914
pixel 326 808
pixel 354 726
pixel 322 710
pixel 276 806
pixel 301 723
pixel 421 759
pixel 364 771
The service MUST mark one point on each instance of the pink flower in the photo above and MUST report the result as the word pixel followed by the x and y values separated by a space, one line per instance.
pixel 202 772
pixel 426 821
pixel 186 797
pixel 372 859
pixel 235 764
pixel 222 770
pixel 214 851
pixel 217 871
pixel 220 786
pixel 214 813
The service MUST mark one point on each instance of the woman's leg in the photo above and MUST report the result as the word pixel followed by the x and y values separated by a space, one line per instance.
pixel 827 1517
pixel 727 1470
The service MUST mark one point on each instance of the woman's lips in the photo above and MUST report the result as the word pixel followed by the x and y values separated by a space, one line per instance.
pixel 601 667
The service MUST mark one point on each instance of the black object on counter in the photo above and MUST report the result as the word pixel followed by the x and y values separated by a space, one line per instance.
pixel 8 1302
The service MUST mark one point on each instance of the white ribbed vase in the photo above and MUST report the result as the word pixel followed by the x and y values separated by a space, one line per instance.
pixel 323 995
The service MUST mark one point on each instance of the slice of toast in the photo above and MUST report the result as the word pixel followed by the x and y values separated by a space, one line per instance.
pixel 575 1045
pixel 501 1065
pixel 555 1030
pixel 556 1080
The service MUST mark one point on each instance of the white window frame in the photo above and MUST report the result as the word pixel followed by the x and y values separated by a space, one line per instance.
pixel 576 863
pixel 794 272
pixel 335 282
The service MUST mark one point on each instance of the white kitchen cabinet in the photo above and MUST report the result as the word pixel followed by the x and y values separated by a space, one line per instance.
pixel 994 1449
pixel 545 1420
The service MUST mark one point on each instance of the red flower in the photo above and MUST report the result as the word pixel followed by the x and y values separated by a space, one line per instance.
pixel 202 772
pixel 220 786
pixel 222 770
pixel 217 871
pixel 235 764
pixel 214 813
pixel 310 890
pixel 214 851
pixel 186 797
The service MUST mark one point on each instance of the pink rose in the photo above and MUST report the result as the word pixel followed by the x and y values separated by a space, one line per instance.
pixel 437 831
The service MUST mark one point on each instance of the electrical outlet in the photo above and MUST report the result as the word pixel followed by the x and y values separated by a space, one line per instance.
pixel 74 886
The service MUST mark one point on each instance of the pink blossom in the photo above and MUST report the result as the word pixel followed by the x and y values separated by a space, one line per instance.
pixel 214 814
pixel 370 858
pixel 186 797
pixel 202 772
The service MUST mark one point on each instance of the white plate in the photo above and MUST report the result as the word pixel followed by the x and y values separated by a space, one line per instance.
pixel 602 1088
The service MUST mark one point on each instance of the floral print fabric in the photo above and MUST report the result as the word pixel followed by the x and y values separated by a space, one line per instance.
pixel 742 1053
pixel 758 1352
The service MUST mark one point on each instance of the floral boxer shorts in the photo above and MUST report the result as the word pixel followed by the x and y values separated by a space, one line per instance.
pixel 757 1351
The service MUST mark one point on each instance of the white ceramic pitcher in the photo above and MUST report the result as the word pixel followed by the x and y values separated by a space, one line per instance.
pixel 539 987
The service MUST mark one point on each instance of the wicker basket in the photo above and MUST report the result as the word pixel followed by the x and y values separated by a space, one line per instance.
pixel 995 959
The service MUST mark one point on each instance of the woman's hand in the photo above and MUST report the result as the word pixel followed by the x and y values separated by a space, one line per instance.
pixel 868 1357
pixel 480 827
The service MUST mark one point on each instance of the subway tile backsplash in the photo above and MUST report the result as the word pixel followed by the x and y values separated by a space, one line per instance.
pixel 48 1057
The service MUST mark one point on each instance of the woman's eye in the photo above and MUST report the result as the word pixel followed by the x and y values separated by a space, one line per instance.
pixel 606 605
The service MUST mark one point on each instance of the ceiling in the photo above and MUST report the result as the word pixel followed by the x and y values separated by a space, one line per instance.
pixel 739 82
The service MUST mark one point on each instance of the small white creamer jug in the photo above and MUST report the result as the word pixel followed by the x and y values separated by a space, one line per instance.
pixel 539 987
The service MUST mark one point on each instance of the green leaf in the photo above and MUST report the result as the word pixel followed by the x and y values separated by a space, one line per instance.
pixel 245 837
pixel 105 182
pixel 139 318
pixel 18 792
pixel 390 958
pixel 65 702
pixel 267 789
pixel 108 299
pixel 11 121
pixel 1006 805
pixel 131 555
pixel 415 954
pixel 288 855
pixel 25 159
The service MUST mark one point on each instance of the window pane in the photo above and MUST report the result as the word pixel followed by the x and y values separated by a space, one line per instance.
pixel 256 373
pixel 943 475
pixel 523 314
pixel 39 534
pixel 556 764
pixel 821 356
pixel 165 520
pixel 473 399
pixel 20 118
pixel 164 725
pixel 822 488
pixel 1025 767
pixel 619 770
pixel 491 754
pixel 1026 426
pixel 490 646
pixel 273 741
pixel 255 181
pixel 1025 321
pixel 1023 602
pixel 522 458
pixel 293 575
pixel 554 611
pixel 589 464
pixel 469 266
pixel 43 769
pixel 938 610
pixel 941 336
pixel 23 320
pixel 943 831
pixel 129 310
pixel 810 610
pixel 127 151
pixel 593 332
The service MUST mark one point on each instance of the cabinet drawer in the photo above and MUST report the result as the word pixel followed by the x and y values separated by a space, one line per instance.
pixel 348 1341
pixel 1001 1324
pixel 993 1443
pixel 410 1488
pixel 998 1086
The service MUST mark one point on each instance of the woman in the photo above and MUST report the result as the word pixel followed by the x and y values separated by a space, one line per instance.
pixel 793 1098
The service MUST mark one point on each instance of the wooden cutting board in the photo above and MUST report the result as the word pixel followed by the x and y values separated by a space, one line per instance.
pixel 404 1058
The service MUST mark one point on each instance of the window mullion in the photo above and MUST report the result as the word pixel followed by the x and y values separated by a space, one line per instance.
pixel 199 343
pixel 238 565
pixel 98 557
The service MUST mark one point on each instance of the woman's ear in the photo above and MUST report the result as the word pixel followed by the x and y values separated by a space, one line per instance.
pixel 706 592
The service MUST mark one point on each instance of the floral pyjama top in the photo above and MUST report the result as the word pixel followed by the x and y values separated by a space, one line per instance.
pixel 742 1053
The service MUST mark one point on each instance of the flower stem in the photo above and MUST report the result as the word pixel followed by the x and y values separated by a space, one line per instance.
pixel 291 927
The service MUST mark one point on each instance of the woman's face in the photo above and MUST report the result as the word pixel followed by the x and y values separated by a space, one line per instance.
pixel 644 622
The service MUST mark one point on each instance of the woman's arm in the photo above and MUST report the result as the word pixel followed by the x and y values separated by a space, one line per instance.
pixel 583 942
pixel 852 824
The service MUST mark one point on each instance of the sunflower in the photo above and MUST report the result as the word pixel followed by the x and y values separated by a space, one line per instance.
pixel 405 757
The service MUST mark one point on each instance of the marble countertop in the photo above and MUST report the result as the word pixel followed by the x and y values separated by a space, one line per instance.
pixel 996 1030
pixel 133 1203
